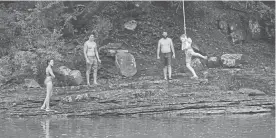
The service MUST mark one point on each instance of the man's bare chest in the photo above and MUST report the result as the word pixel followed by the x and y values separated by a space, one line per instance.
pixel 165 43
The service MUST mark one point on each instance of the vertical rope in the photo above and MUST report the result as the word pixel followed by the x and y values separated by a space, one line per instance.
pixel 184 19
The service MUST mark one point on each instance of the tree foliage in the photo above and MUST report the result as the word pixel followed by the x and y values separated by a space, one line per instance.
pixel 32 32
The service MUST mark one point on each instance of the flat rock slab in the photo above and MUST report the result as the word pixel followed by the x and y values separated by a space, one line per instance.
pixel 147 95
pixel 251 92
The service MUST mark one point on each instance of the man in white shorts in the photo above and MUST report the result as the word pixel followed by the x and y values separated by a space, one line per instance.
pixel 189 52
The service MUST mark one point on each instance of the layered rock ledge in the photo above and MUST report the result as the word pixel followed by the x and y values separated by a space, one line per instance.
pixel 141 96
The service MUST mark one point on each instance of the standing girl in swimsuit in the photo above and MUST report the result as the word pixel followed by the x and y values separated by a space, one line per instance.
pixel 49 84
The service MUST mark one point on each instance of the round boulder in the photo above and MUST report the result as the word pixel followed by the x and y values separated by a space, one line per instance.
pixel 126 64
pixel 64 70
pixel 75 77
pixel 130 25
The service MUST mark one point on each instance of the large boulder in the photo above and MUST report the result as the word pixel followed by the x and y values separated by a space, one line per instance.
pixel 196 64
pixel 65 71
pixel 68 76
pixel 31 83
pixel 75 77
pixel 232 60
pixel 213 62
pixel 126 64
pixel 130 25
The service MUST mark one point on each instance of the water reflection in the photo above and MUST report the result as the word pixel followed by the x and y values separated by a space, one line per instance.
pixel 45 124
pixel 242 126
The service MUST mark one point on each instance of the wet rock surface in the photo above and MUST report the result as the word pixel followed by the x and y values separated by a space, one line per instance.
pixel 144 95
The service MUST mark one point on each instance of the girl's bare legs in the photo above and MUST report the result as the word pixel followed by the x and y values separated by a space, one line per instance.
pixel 49 93
pixel 46 103
pixel 198 55
pixel 188 65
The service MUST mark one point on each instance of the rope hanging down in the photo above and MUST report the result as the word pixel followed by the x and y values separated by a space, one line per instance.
pixel 184 19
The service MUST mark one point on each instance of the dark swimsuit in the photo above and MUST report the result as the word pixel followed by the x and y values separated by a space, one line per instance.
pixel 48 78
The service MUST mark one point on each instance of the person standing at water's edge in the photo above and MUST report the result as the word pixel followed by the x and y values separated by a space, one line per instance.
pixel 165 44
pixel 49 85
pixel 92 58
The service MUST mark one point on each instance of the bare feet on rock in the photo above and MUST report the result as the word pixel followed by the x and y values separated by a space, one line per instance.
pixel 194 77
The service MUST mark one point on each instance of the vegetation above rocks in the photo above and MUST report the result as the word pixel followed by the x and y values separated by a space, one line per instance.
pixel 32 32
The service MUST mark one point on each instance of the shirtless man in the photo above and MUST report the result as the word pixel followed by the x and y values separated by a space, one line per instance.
pixel 189 52
pixel 165 44
pixel 92 58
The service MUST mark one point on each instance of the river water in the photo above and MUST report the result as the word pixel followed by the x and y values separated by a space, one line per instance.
pixel 234 126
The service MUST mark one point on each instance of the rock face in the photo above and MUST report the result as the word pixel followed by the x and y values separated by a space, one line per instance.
pixel 255 29
pixel 196 64
pixel 232 60
pixel 213 62
pixel 5 68
pixel 233 26
pixel 30 83
pixel 223 26
pixel 238 36
pixel 126 63
pixel 130 25
pixel 237 32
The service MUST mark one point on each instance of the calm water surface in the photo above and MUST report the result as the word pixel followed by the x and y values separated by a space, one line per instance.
pixel 242 126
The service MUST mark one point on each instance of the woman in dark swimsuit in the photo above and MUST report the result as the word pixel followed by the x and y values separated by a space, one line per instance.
pixel 49 85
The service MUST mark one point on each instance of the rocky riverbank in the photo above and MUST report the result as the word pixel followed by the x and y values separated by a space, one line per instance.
pixel 147 95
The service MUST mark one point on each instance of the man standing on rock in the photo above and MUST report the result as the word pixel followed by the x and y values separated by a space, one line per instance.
pixel 165 44
pixel 92 58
